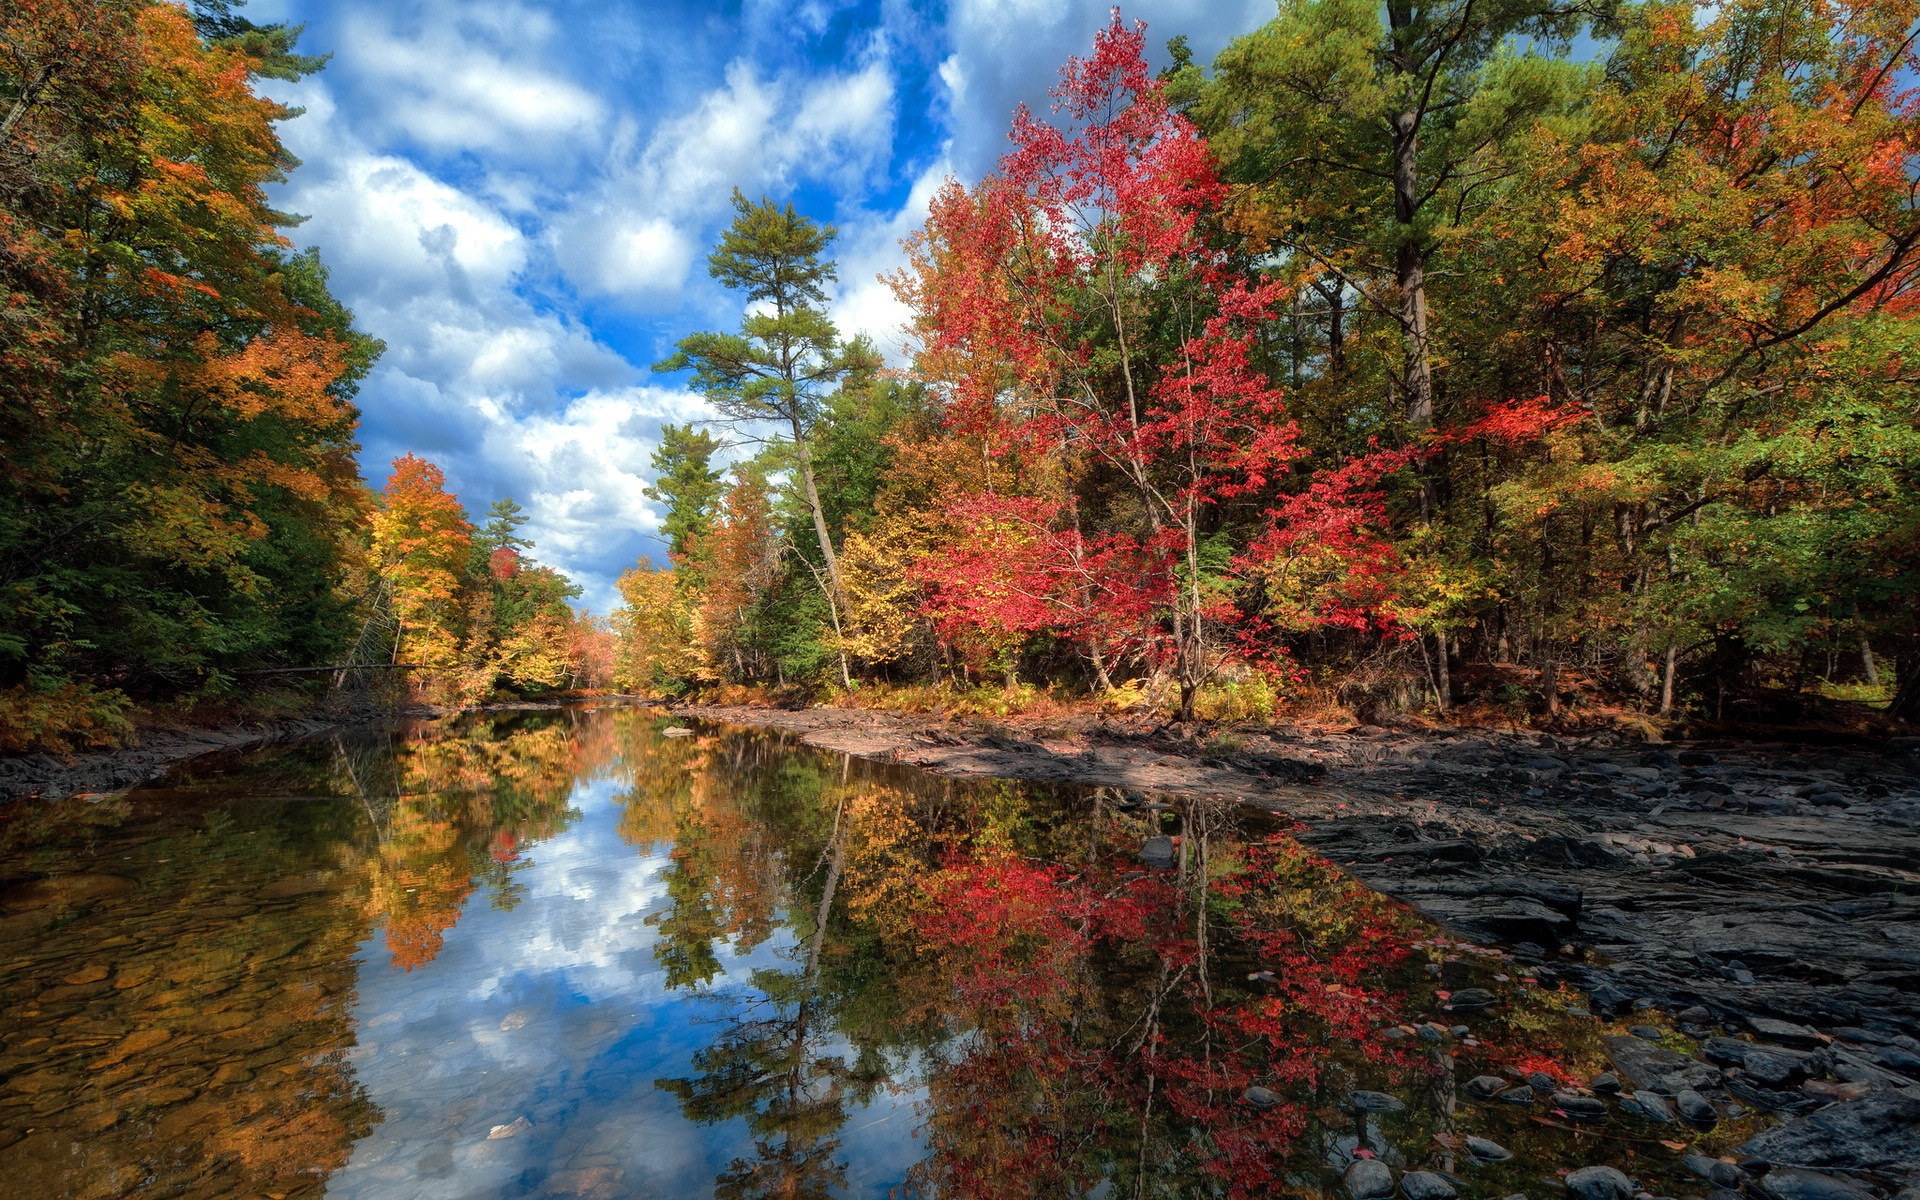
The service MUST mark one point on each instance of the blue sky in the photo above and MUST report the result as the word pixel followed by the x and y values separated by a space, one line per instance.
pixel 518 199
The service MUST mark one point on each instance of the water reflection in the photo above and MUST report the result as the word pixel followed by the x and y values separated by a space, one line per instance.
pixel 567 956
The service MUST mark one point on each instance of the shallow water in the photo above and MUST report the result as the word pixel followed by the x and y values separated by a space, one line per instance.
pixel 568 955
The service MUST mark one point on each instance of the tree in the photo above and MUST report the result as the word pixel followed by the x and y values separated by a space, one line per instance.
pixel 688 483
pixel 423 545
pixel 1087 317
pixel 787 356
pixel 502 530
pixel 1369 135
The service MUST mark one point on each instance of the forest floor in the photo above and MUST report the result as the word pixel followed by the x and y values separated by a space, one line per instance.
pixel 1770 880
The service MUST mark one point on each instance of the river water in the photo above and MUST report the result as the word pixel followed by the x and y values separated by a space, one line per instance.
pixel 573 954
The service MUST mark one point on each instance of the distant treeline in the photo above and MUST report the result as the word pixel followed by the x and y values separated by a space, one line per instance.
pixel 179 499
pixel 1512 354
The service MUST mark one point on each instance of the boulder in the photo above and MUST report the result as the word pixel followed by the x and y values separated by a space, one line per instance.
pixel 1792 1183
pixel 1425 1185
pixel 1599 1183
pixel 1874 1132
pixel 1371 1179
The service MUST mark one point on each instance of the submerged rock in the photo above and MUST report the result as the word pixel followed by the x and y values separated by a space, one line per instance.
pixel 1599 1183
pixel 1792 1183
pixel 1370 1179
pixel 1261 1097
pixel 1426 1185
pixel 1378 1102
pixel 1487 1151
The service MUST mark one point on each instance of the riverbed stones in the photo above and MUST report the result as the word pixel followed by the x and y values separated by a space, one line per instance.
pixel 1784 1033
pixel 1713 1170
pixel 1370 1179
pixel 1874 1132
pixel 1261 1097
pixel 1157 852
pixel 1599 1183
pixel 1653 1107
pixel 1642 1063
pixel 1427 1185
pixel 1471 1000
pixel 1486 1150
pixel 1694 1108
pixel 1485 1087
pixel 1580 1108
pixel 1376 1102
pixel 1792 1183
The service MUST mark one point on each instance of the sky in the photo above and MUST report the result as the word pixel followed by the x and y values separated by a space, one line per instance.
pixel 518 199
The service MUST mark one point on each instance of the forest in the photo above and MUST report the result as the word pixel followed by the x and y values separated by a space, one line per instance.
pixel 1491 358
pixel 1498 361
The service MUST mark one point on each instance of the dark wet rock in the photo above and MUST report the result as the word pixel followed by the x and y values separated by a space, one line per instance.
pixel 1470 1000
pixel 1485 1087
pixel 1792 1183
pixel 1714 1171
pixel 1599 1183
pixel 1606 1081
pixel 1645 1032
pixel 1727 1052
pixel 1518 1095
pixel 1261 1097
pixel 1486 1151
pixel 1773 1070
pixel 1376 1102
pixel 1694 1107
pixel 1695 1075
pixel 1580 1108
pixel 1157 852
pixel 1653 1107
pixel 1540 1081
pixel 1871 1133
pixel 1784 1033
pixel 1501 911
pixel 1368 1179
pixel 1426 1185
pixel 1641 1062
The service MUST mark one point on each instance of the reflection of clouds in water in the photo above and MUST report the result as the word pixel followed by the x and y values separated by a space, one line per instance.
pixel 556 1011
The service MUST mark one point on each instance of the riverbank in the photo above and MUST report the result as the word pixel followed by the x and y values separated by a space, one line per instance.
pixel 157 748
pixel 1756 880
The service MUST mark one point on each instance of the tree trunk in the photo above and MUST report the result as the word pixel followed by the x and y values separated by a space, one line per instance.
pixel 1666 680
pixel 1410 274
pixel 1906 698
pixel 1442 679
pixel 1867 665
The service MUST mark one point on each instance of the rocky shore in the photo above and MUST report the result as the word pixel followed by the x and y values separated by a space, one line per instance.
pixel 58 775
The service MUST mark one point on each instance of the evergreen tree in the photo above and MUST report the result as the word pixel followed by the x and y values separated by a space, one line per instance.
pixel 687 483
pixel 502 530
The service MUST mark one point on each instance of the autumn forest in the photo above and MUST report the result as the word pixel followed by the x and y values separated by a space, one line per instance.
pixel 1502 361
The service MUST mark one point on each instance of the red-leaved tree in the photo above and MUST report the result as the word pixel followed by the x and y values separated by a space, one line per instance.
pixel 1082 308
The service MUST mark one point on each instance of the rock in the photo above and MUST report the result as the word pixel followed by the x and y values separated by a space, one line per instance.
pixel 1871 1133
pixel 1694 1107
pixel 1784 1033
pixel 1368 1179
pixel 1721 1174
pixel 1425 1185
pixel 137 1042
pixel 1606 1081
pixel 1645 1032
pixel 1157 852
pixel 1470 1000
pixel 1792 1183
pixel 1518 1095
pixel 1485 1087
pixel 1580 1108
pixel 1728 1052
pixel 1540 1081
pixel 1694 1075
pixel 519 1126
pixel 1261 1097
pixel 1653 1107
pixel 1599 1183
pixel 1378 1102
pixel 1487 1151
pixel 1640 1062
pixel 1772 1070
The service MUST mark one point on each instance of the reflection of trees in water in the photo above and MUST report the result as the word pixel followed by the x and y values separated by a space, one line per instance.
pixel 1077 1021
pixel 465 801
